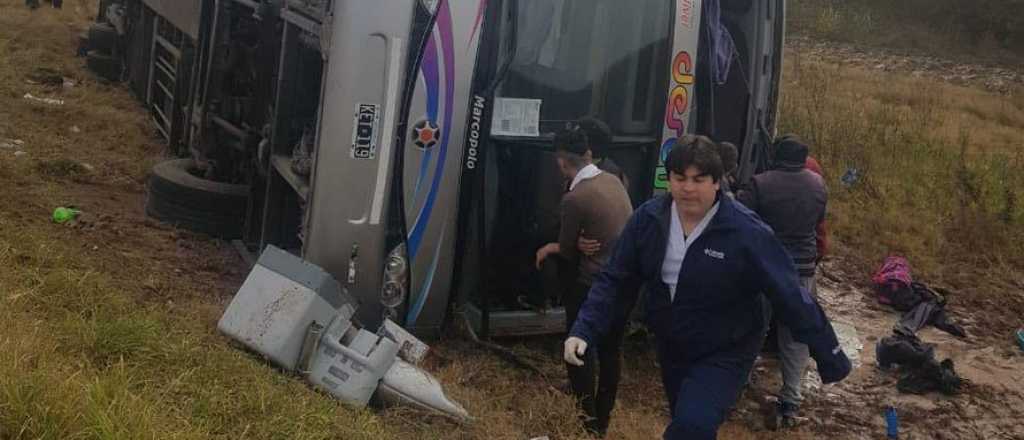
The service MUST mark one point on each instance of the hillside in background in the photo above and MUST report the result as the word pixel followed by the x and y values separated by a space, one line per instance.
pixel 936 142
pixel 990 30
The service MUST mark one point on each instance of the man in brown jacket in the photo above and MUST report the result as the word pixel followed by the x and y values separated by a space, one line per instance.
pixel 597 204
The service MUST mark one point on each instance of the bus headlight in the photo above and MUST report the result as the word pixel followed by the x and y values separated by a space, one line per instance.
pixel 396 272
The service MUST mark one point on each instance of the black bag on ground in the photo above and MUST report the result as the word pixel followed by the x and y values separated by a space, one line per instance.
pixel 903 349
pixel 931 376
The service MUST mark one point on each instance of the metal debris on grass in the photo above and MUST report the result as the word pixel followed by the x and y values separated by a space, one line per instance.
pixel 11 144
pixel 48 101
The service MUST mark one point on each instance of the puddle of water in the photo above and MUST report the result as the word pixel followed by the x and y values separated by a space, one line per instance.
pixel 849 340
pixel 852 346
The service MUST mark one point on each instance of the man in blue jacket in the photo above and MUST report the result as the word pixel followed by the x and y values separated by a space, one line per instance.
pixel 705 259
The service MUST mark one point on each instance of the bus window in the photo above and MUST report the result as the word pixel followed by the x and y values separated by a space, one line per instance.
pixel 592 58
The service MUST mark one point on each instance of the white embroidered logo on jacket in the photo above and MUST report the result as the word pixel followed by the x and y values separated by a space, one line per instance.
pixel 714 254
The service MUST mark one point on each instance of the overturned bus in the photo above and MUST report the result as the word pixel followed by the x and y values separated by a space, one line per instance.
pixel 405 145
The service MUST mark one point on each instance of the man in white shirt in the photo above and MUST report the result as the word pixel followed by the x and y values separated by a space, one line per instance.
pixel 596 203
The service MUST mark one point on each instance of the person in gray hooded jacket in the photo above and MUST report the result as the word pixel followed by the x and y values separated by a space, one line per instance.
pixel 791 199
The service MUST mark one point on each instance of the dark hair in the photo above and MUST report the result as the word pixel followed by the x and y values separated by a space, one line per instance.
pixel 598 133
pixel 702 153
pixel 730 157
pixel 572 143
pixel 790 150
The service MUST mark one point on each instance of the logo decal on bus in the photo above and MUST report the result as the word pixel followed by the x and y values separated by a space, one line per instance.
pixel 677 111
pixel 475 124
pixel 364 133
pixel 426 134
pixel 686 13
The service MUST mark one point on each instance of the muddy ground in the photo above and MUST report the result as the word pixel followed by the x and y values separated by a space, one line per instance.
pixel 991 405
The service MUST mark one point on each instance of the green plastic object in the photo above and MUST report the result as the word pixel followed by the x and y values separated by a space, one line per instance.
pixel 1020 337
pixel 64 215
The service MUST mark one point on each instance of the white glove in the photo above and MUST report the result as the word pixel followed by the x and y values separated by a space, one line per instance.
pixel 574 350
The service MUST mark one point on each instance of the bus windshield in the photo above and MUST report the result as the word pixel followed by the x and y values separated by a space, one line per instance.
pixel 599 58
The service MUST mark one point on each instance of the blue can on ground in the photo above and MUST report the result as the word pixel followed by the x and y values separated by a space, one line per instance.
pixel 892 423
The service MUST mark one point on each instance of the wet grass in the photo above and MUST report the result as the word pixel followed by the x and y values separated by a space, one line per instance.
pixel 109 332
pixel 64 169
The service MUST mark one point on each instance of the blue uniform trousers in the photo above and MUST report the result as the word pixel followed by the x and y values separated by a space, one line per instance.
pixel 701 393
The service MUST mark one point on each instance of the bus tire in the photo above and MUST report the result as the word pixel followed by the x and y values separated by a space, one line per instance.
pixel 103 37
pixel 103 65
pixel 177 197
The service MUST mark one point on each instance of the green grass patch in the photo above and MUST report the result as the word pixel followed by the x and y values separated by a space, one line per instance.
pixel 932 185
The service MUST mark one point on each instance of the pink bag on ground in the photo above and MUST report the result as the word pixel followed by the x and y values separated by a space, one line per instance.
pixel 892 281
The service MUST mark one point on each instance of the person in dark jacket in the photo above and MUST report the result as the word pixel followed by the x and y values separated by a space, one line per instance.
pixel 598 204
pixel 791 199
pixel 706 260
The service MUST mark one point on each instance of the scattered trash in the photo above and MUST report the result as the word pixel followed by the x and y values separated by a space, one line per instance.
pixel 63 215
pixel 45 76
pixel 892 422
pixel 851 177
pixel 69 83
pixel 1020 337
pixel 298 317
pixel 900 349
pixel 932 376
pixel 65 168
pixel 75 129
pixel 49 101
pixel 541 438
pixel 19 153
pixel 931 310
pixel 921 372
pixel 922 305
pixel 11 143
pixel 892 283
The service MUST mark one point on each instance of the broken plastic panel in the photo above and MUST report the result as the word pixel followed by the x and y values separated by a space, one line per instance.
pixel 277 303
pixel 297 316
pixel 349 362
pixel 411 349
pixel 407 384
